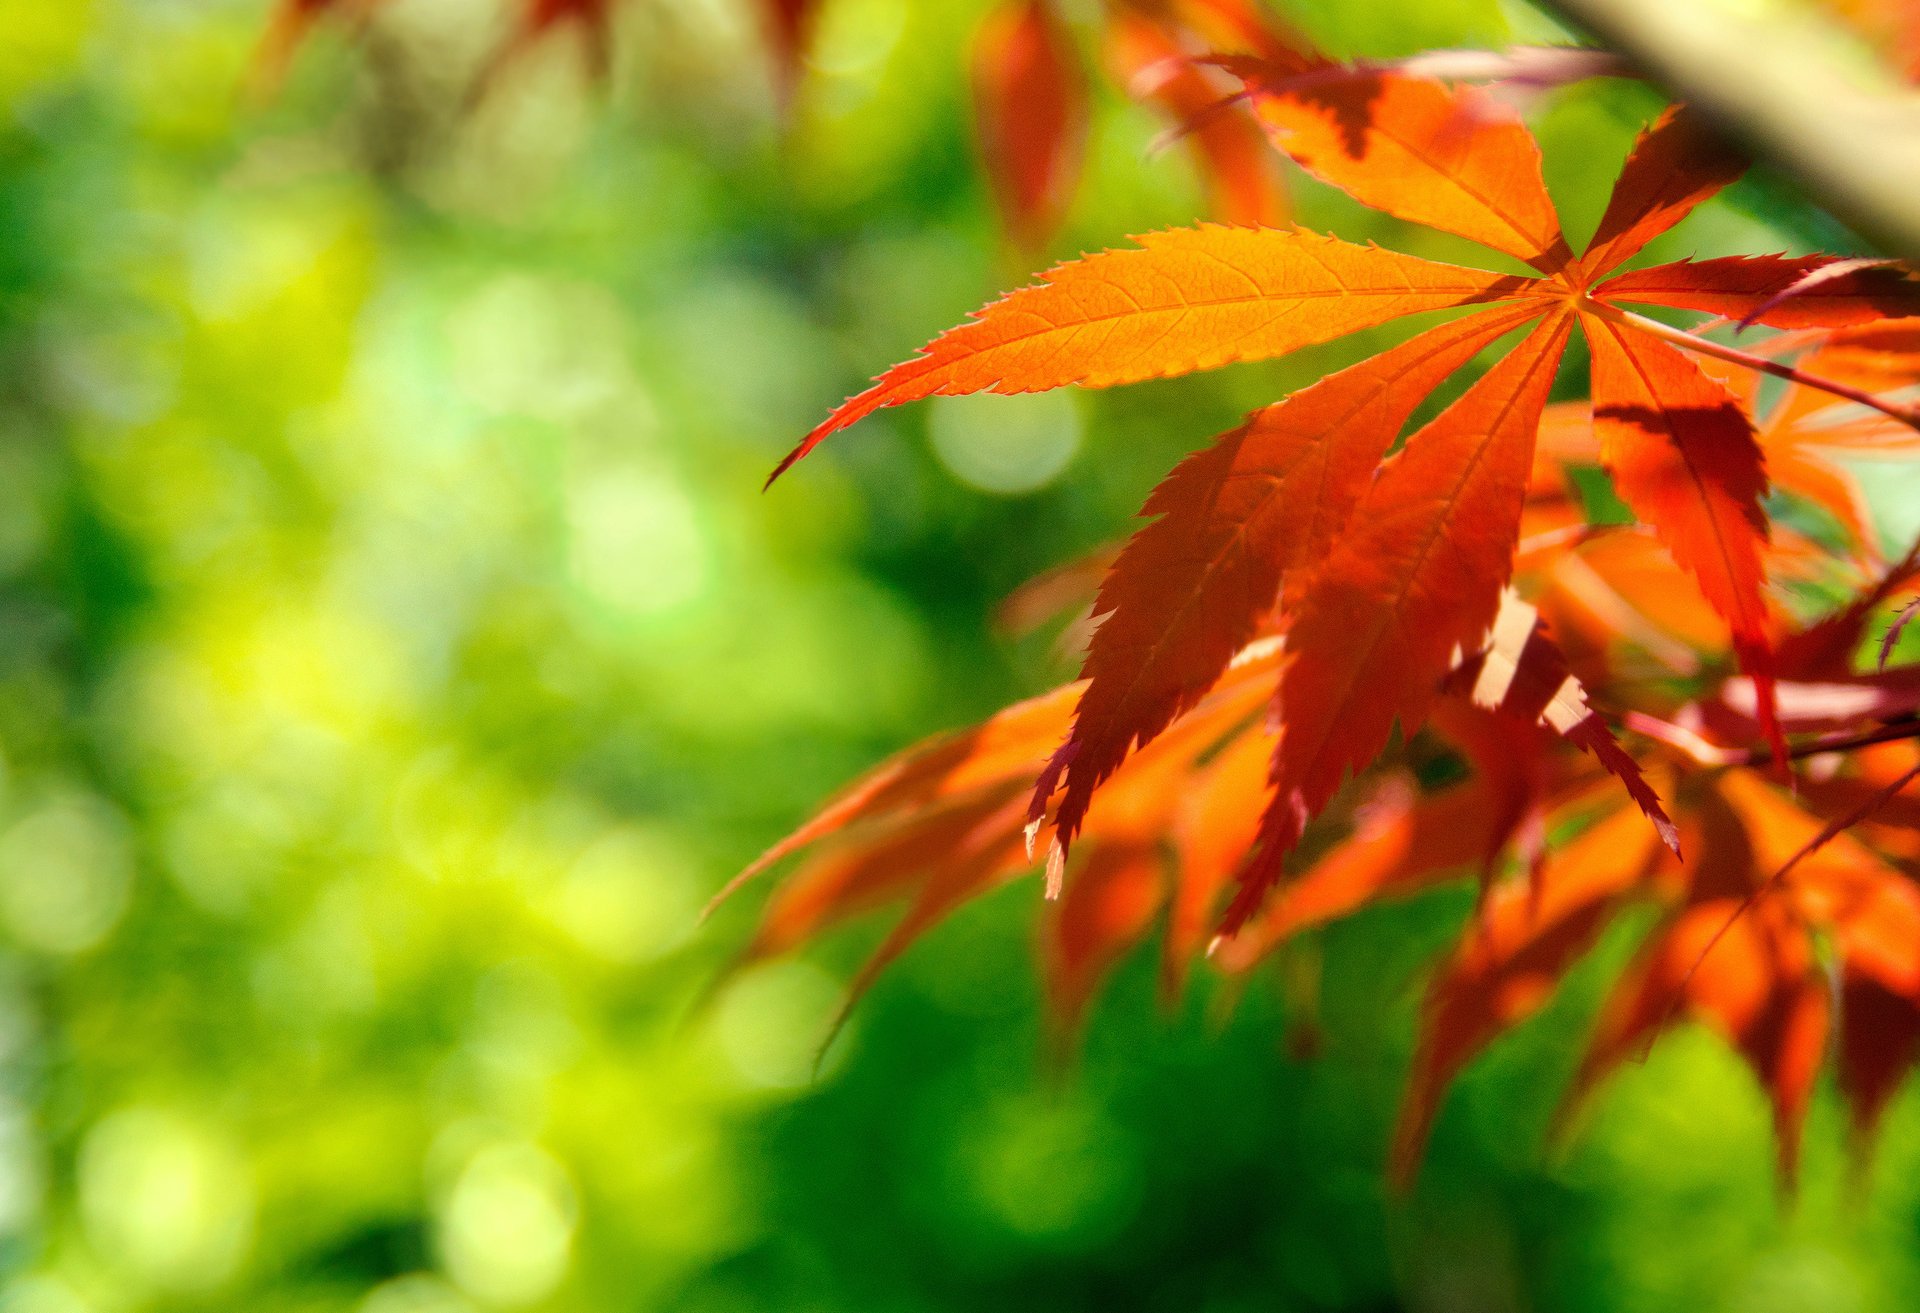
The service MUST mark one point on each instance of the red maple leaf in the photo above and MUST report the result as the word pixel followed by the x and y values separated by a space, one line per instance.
pixel 1306 564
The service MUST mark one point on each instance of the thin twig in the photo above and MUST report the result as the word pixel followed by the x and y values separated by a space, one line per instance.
pixel 1907 414
pixel 1705 753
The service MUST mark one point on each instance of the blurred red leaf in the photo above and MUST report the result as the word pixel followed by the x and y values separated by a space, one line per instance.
pixel 1356 581
pixel 1030 104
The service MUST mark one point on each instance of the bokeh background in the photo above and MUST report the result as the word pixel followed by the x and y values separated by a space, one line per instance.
pixel 396 650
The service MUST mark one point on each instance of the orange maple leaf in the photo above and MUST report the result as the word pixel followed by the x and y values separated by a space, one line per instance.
pixel 1403 568
pixel 1303 563
pixel 1767 873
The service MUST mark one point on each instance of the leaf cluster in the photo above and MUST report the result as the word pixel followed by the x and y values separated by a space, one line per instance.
pixel 1320 597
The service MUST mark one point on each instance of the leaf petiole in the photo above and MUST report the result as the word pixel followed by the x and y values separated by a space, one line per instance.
pixel 1906 413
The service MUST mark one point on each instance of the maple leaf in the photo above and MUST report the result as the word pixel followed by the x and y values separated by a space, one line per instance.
pixel 1167 52
pixel 1810 438
pixel 1685 459
pixel 1522 674
pixel 1240 173
pixel 1048 594
pixel 1432 537
pixel 1680 449
pixel 1030 106
pixel 1185 299
pixel 1740 287
pixel 1030 101
pixel 1453 160
pixel 1739 954
pixel 1510 961
pixel 946 821
pixel 1191 588
pixel 1239 26
pixel 1453 586
pixel 1768 875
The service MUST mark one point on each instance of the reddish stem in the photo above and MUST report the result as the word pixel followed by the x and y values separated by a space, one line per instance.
pixel 1907 414
pixel 1706 753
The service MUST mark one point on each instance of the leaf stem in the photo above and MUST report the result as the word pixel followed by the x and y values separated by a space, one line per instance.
pixel 1906 413
pixel 1705 753
pixel 1894 733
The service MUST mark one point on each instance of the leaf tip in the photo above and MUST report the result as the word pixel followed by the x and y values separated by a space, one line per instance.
pixel 1056 870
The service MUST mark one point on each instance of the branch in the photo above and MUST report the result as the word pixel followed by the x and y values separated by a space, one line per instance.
pixel 1793 90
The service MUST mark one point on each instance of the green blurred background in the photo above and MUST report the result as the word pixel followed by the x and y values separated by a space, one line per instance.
pixel 396 650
